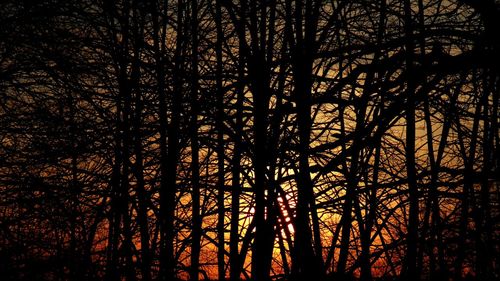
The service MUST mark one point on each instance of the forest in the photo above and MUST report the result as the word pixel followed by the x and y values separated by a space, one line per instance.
pixel 257 140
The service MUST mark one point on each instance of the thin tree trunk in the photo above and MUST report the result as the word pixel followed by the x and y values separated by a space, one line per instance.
pixel 168 145
pixel 119 181
pixel 234 255
pixel 411 272
pixel 195 166
pixel 346 220
pixel 142 198
pixel 482 217
pixel 220 145
pixel 138 167
pixel 365 258
pixel 467 194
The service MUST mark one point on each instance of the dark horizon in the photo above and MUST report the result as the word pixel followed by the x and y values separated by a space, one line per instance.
pixel 260 140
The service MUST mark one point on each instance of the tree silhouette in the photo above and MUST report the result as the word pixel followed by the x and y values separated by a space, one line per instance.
pixel 249 140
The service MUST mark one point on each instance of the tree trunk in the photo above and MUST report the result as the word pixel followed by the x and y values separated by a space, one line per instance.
pixel 195 166
pixel 411 272
pixel 220 145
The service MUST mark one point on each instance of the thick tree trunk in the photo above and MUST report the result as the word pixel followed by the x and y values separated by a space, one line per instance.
pixel 308 262
pixel 262 247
